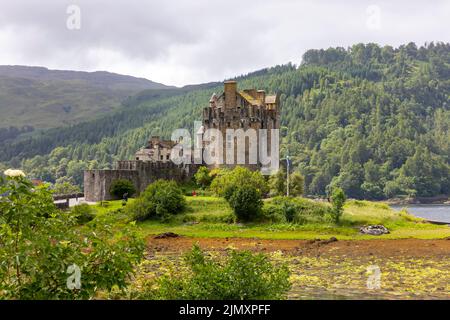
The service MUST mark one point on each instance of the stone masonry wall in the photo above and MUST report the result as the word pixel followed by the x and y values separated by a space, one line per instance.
pixel 98 182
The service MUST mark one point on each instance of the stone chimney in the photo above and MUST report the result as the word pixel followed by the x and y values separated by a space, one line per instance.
pixel 261 96
pixel 230 88
pixel 154 140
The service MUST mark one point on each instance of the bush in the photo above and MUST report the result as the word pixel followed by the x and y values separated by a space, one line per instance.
pixel 245 201
pixel 121 186
pixel 83 213
pixel 295 210
pixel 202 177
pixel 160 200
pixel 337 201
pixel 242 276
pixel 239 176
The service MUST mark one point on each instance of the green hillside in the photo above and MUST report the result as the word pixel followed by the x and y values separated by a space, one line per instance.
pixel 374 120
pixel 41 98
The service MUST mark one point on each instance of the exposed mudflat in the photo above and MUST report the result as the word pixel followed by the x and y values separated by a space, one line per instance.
pixel 349 248
pixel 334 269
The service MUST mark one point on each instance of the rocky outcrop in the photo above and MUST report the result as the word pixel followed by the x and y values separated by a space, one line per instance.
pixel 375 230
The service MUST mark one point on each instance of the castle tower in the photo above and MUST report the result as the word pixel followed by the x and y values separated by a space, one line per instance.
pixel 236 109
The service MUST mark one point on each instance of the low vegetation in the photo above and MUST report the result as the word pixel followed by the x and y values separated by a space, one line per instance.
pixel 212 217
pixel 240 276
pixel 298 211
pixel 160 200
pixel 83 213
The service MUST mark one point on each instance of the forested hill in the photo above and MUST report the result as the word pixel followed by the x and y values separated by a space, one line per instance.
pixel 36 97
pixel 374 120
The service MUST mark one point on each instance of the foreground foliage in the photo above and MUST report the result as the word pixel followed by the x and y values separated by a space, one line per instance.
pixel 44 255
pixel 242 276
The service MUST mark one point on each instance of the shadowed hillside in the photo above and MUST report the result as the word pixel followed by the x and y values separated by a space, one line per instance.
pixel 42 98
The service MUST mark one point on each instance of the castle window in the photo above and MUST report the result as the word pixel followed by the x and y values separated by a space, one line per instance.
pixel 229 124
pixel 137 158
pixel 162 157
pixel 168 157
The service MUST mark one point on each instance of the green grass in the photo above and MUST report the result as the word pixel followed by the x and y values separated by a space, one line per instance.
pixel 211 217
pixel 105 207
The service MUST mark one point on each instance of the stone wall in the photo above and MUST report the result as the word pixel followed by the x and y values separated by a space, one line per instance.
pixel 98 182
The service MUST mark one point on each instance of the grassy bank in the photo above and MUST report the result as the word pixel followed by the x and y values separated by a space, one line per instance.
pixel 211 217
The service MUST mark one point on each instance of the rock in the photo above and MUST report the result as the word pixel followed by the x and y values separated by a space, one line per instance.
pixel 375 230
pixel 320 242
pixel 166 235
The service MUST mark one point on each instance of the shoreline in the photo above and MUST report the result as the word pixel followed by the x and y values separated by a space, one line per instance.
pixel 439 200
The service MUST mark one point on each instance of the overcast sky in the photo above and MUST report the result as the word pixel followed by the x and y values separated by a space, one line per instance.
pixel 181 42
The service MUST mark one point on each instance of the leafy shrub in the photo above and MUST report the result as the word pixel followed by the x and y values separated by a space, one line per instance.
pixel 226 179
pixel 83 213
pixel 242 276
pixel 160 200
pixel 40 245
pixel 295 210
pixel 337 200
pixel 202 177
pixel 121 186
pixel 245 201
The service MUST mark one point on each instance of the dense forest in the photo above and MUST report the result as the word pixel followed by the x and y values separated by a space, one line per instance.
pixel 373 120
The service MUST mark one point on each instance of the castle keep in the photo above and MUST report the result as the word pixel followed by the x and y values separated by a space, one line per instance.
pixel 232 109
pixel 246 109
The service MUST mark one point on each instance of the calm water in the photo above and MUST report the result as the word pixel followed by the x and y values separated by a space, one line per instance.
pixel 434 212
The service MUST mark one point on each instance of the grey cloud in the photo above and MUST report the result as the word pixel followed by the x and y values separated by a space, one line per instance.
pixel 180 42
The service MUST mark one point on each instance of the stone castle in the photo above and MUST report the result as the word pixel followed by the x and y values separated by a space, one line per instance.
pixel 246 109
pixel 232 109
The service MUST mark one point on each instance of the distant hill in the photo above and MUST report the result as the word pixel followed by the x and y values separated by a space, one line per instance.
pixel 373 120
pixel 43 98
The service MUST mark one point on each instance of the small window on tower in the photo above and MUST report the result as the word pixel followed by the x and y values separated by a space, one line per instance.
pixel 168 157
